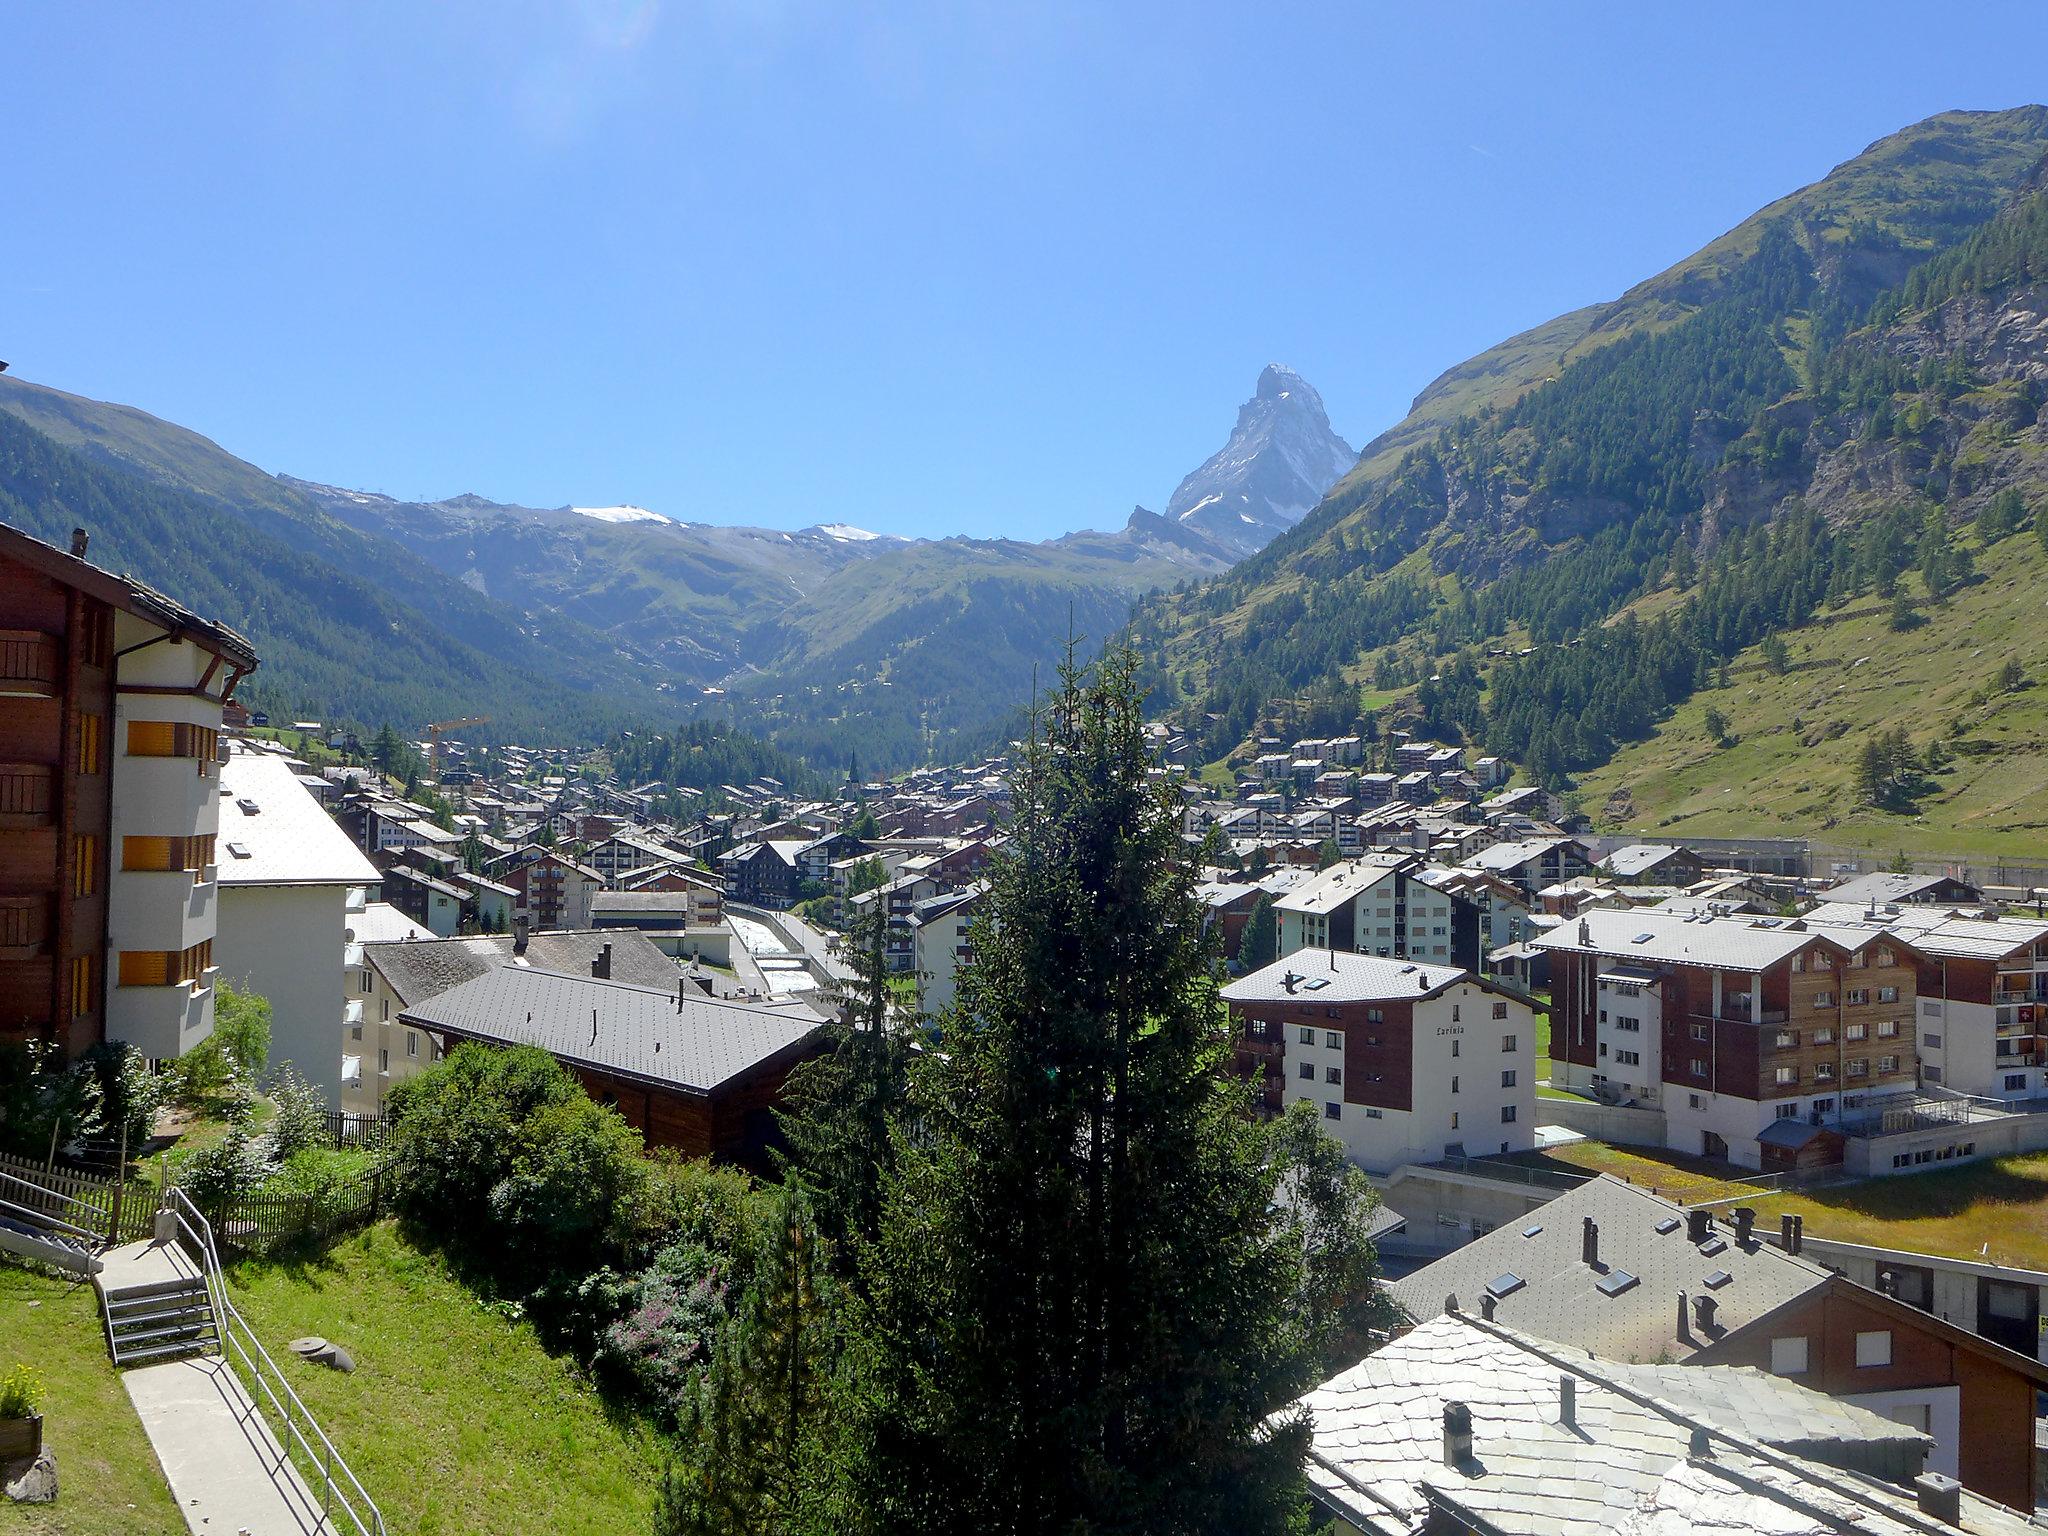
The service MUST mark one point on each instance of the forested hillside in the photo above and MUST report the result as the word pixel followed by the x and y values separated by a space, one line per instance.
pixel 1819 402
pixel 348 627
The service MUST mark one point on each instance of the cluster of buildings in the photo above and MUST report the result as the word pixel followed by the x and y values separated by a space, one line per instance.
pixel 155 849
pixel 1619 1363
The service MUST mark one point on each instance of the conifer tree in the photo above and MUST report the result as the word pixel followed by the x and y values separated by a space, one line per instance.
pixel 1084 1305
pixel 755 1445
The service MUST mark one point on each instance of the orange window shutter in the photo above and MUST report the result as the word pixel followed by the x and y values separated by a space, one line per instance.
pixel 152 738
pixel 145 968
pixel 146 853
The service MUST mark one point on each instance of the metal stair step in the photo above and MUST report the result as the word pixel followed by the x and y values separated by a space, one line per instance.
pixel 201 1329
pixel 169 1316
pixel 181 1347
pixel 161 1293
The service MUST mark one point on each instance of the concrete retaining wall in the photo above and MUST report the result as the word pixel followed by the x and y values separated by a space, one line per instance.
pixel 1604 1122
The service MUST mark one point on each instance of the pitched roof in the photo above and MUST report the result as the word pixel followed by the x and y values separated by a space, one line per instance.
pixel 1338 976
pixel 1737 943
pixel 1630 861
pixel 1884 885
pixel 273 832
pixel 1332 887
pixel 1626 1462
pixel 1559 1296
pixel 418 969
pixel 125 592
pixel 668 1037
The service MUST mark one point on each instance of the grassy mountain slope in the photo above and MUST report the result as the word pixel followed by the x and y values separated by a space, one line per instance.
pixel 347 626
pixel 1791 768
pixel 1771 427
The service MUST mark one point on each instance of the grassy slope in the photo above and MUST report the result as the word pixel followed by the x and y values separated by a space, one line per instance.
pixel 108 1480
pixel 455 1419
pixel 1782 780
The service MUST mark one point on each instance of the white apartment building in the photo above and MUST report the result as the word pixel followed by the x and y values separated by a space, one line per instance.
pixel 291 881
pixel 1407 1062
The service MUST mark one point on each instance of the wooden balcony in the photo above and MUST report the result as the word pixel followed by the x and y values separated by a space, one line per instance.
pixel 29 664
pixel 27 794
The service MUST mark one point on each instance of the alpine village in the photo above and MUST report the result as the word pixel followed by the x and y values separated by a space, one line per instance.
pixel 1492 983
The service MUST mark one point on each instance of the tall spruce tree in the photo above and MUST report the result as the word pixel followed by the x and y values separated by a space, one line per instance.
pixel 841 1107
pixel 1084 1306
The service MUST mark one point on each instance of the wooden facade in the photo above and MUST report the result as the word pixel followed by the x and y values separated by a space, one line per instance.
pixel 56 800
pixel 1995 1386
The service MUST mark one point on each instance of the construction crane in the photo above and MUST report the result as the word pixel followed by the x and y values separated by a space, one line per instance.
pixel 441 728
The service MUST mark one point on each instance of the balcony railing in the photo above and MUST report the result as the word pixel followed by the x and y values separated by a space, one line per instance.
pixel 25 794
pixel 28 664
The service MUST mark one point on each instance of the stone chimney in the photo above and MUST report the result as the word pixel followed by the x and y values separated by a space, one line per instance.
pixel 1684 1317
pixel 520 925
pixel 1745 1225
pixel 1487 1303
pixel 1702 1444
pixel 1939 1498
pixel 1457 1434
pixel 1589 1242
pixel 79 539
pixel 601 963
pixel 1703 1313
pixel 1567 1399
pixel 1699 1225
pixel 1799 1234
pixel 1788 1238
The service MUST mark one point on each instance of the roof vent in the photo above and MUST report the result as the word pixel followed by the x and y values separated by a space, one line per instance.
pixel 1615 1282
pixel 249 807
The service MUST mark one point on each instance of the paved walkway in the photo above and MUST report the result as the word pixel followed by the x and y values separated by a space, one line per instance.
pixel 225 1468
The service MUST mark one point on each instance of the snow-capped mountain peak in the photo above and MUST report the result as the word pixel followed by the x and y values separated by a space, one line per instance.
pixel 1279 461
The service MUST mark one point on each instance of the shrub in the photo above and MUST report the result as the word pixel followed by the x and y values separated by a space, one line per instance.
pixel 668 1315
pixel 232 1166
pixel 684 1201
pixel 235 1053
pixel 301 1122
pixel 455 1130
pixel 130 1093
pixel 44 1100
pixel 21 1393
pixel 575 1164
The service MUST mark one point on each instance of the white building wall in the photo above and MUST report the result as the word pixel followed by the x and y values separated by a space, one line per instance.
pixel 287 942
pixel 1469 1069
pixel 160 910
pixel 1628 1034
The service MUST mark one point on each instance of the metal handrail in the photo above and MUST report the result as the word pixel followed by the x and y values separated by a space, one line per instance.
pixel 233 1332
pixel 43 1191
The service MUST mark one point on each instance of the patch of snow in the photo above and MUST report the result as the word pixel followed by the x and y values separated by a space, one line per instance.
pixel 849 533
pixel 621 514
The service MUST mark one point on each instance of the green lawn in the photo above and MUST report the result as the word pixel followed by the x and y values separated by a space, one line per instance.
pixel 1995 1211
pixel 456 1419
pixel 108 1480
pixel 1670 1174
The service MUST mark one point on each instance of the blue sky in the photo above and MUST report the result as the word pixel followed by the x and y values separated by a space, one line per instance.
pixel 991 269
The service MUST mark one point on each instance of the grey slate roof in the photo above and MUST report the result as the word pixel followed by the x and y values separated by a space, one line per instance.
pixel 1884 886
pixel 1560 1297
pixel 673 1037
pixel 418 969
pixel 1629 861
pixel 1737 943
pixel 1626 1462
pixel 1338 976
